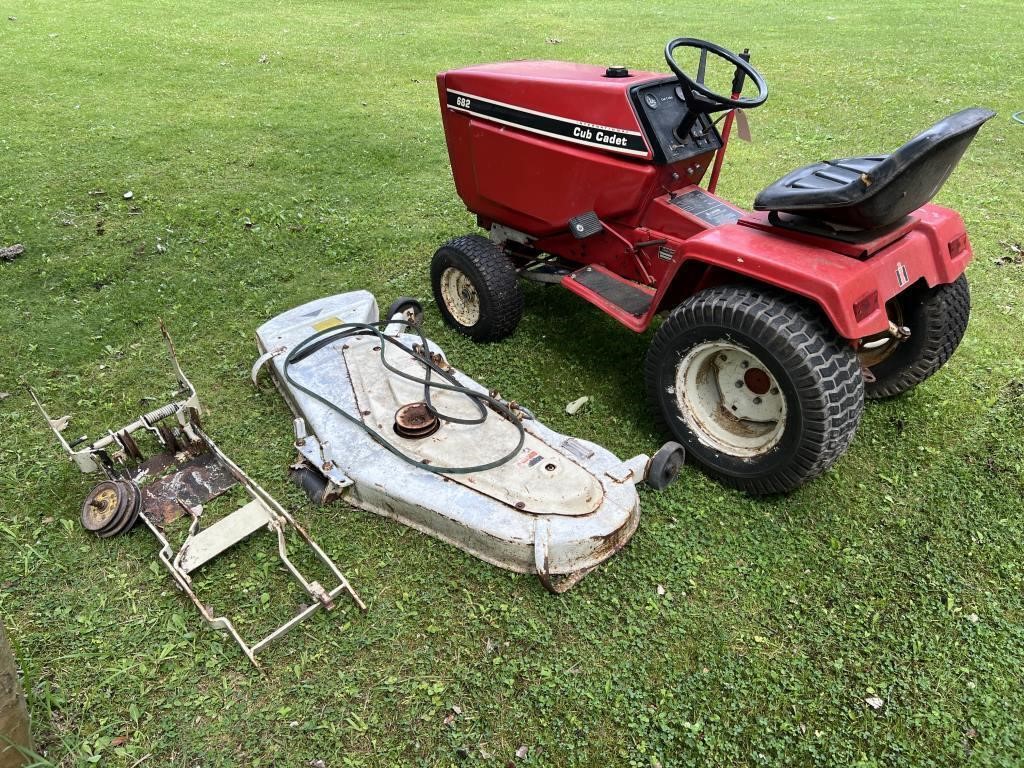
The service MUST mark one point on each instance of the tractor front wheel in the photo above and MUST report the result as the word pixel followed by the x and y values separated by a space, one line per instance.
pixel 937 320
pixel 476 288
pixel 757 387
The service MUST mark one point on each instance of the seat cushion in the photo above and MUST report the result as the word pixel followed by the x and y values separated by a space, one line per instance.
pixel 877 190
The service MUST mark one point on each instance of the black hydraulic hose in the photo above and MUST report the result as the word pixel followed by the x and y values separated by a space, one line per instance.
pixel 328 336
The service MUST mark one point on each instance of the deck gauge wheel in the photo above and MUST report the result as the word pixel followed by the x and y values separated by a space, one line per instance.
pixel 665 465
pixel 403 305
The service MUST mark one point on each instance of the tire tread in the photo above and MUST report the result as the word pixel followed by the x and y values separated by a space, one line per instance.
pixel 501 295
pixel 947 310
pixel 818 359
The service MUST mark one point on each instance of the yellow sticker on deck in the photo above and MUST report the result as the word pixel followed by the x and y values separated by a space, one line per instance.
pixel 327 322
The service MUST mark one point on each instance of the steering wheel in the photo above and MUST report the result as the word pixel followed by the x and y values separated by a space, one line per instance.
pixel 699 98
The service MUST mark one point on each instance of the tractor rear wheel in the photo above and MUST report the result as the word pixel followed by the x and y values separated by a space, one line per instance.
pixel 476 288
pixel 757 386
pixel 937 320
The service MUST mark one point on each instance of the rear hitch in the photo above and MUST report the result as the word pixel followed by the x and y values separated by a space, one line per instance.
pixel 898 332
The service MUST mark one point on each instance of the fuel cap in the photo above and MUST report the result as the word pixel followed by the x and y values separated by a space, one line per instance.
pixel 616 72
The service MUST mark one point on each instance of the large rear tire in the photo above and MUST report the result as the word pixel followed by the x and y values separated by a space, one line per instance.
pixel 937 319
pixel 476 288
pixel 757 386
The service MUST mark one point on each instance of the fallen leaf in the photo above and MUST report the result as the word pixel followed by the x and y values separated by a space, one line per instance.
pixel 661 590
pixel 456 709
pixel 522 752
pixel 60 424
pixel 874 702
pixel 117 741
pixel 576 404
pixel 128 195
pixel 4 395
pixel 318 763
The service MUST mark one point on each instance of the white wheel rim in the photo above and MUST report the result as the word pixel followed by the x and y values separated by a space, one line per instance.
pixel 729 399
pixel 460 297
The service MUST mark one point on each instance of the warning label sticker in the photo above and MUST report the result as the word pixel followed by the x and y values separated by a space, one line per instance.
pixel 699 203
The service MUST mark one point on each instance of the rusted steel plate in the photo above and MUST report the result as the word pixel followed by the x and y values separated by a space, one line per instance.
pixel 196 481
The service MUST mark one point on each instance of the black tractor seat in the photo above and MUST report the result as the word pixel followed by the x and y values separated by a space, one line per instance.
pixel 875 191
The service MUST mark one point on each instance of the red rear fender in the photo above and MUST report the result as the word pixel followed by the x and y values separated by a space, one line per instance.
pixel 851 292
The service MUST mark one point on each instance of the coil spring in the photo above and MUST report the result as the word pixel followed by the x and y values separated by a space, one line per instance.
pixel 160 413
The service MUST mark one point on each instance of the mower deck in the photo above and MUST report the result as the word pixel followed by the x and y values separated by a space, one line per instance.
pixel 558 508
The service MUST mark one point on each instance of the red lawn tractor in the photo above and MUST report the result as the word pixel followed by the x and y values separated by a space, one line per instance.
pixel 843 283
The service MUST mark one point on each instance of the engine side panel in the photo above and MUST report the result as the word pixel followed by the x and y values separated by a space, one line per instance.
pixel 536 186
pixel 533 144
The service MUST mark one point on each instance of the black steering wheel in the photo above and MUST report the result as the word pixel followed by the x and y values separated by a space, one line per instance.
pixel 701 99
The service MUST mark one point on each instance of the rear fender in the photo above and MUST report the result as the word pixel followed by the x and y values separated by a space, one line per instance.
pixel 834 282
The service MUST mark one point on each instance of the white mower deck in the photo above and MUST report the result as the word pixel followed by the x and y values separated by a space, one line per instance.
pixel 557 506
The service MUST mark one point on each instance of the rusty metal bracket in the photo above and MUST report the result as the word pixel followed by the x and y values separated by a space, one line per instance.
pixel 556 584
pixel 189 471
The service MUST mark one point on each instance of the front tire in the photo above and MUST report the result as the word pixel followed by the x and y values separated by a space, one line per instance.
pixel 476 288
pixel 937 319
pixel 757 387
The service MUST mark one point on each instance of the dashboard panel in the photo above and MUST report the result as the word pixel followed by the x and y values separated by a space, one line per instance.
pixel 661 111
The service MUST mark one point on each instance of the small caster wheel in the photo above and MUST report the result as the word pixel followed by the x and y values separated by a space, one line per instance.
pixel 310 481
pixel 403 305
pixel 664 466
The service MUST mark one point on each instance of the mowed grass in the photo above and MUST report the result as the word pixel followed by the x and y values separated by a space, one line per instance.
pixel 898 575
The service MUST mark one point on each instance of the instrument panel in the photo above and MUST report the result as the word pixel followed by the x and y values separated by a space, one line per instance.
pixel 661 110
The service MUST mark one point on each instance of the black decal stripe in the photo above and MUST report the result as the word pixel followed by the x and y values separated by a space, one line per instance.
pixel 611 139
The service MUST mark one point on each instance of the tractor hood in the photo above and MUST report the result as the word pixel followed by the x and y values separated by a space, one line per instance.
pixel 535 143
pixel 580 103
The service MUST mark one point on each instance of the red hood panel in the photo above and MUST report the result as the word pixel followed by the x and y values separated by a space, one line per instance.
pixel 579 93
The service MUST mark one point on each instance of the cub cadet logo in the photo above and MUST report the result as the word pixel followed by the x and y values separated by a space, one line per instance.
pixel 604 138
pixel 902 275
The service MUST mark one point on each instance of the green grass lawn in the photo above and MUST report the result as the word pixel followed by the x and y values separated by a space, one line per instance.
pixel 898 574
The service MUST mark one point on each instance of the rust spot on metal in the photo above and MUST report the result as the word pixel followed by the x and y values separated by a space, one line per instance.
pixel 416 420
pixel 196 481
pixel 757 381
